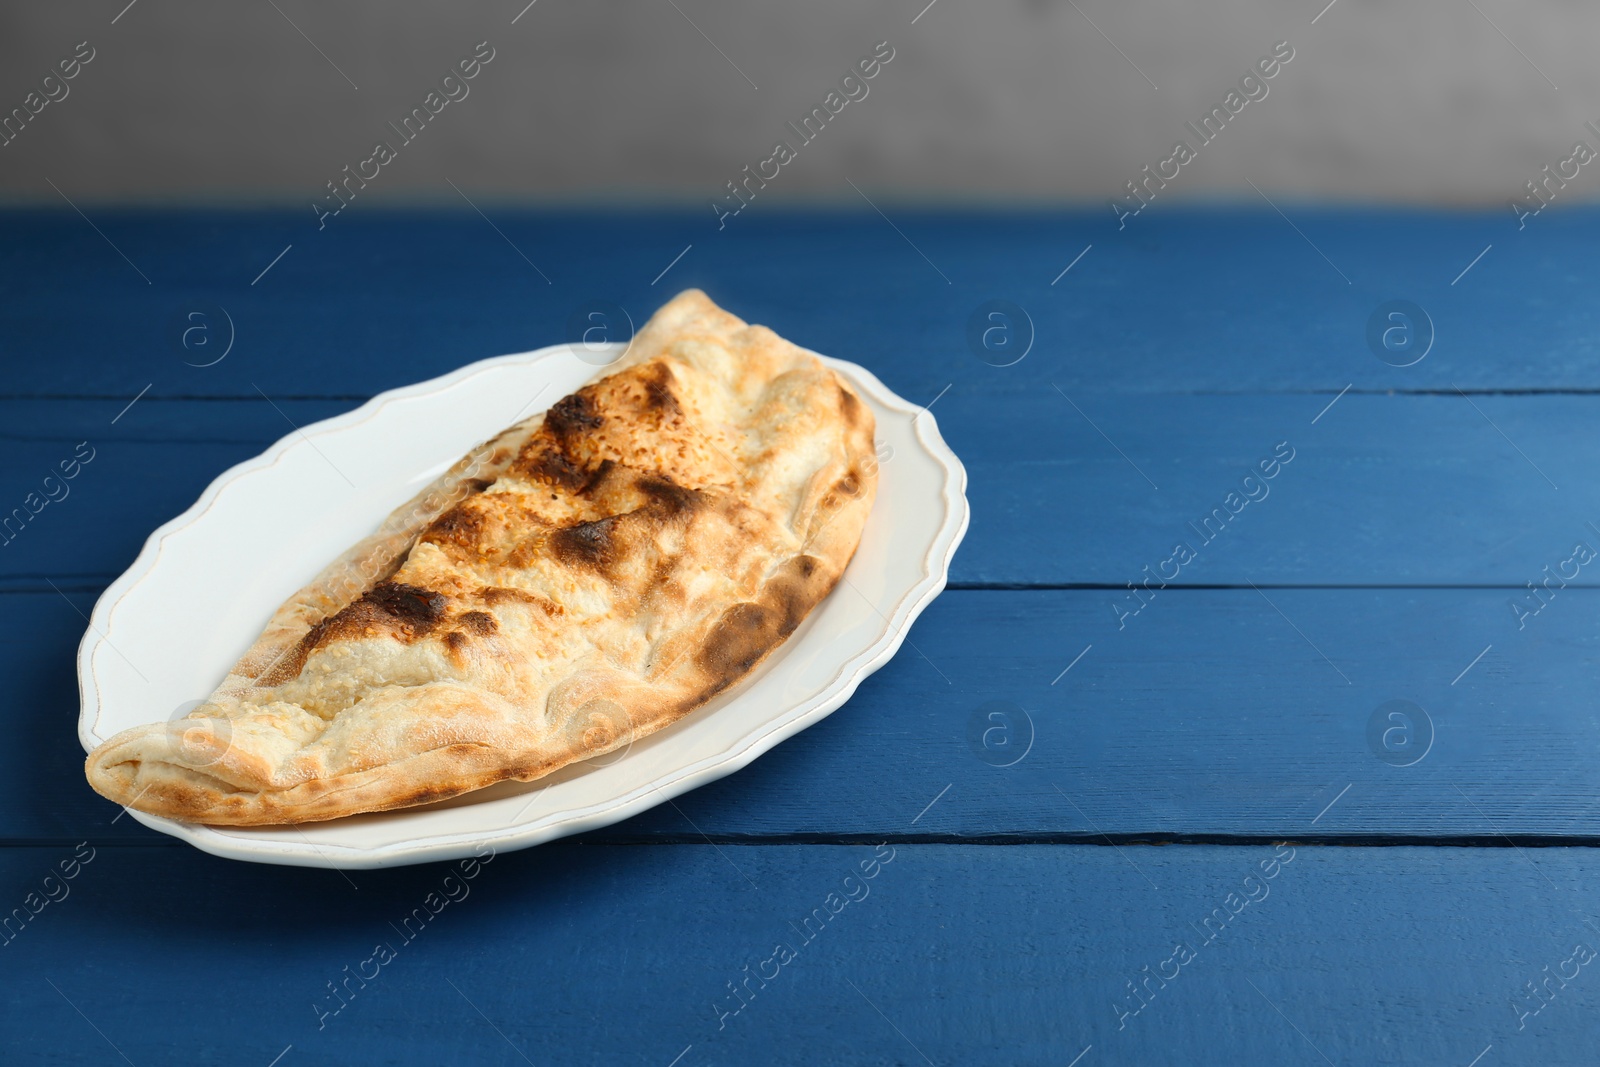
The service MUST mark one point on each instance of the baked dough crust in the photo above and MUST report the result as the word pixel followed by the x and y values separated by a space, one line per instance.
pixel 584 579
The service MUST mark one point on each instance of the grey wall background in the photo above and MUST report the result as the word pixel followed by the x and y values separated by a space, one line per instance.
pixel 996 101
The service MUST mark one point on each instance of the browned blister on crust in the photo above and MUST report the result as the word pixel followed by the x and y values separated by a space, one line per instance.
pixel 580 581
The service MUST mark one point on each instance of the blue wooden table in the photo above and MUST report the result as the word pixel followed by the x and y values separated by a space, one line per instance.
pixel 1286 607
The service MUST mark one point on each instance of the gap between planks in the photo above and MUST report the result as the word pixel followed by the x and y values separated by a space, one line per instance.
pixel 857 839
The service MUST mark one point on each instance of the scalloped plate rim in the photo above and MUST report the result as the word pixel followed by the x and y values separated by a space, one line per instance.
pixel 775 728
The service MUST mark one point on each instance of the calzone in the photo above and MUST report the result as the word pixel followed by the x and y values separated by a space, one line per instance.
pixel 585 578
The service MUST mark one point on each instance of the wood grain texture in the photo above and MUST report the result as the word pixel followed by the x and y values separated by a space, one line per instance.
pixel 1185 301
pixel 1388 555
pixel 1209 715
pixel 948 955
pixel 1383 490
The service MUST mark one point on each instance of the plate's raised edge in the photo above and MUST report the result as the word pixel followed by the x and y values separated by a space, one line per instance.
pixel 936 565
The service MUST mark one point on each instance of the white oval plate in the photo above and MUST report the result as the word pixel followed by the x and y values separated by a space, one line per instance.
pixel 162 636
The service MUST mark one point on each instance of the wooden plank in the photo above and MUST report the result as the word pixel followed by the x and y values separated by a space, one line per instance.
pixel 948 954
pixel 1212 714
pixel 1378 490
pixel 1185 301
pixel 1381 490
